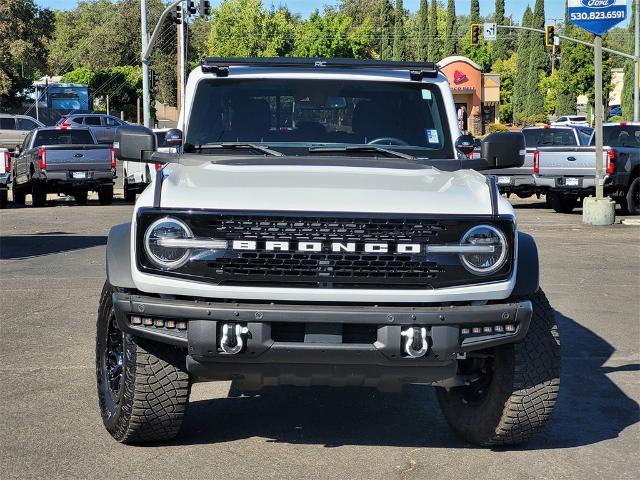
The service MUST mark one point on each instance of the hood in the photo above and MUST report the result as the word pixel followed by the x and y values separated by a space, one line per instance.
pixel 325 189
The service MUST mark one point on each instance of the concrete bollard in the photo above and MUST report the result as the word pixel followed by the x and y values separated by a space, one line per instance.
pixel 598 212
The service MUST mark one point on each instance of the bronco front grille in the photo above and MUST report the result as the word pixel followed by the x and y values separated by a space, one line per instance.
pixel 326 268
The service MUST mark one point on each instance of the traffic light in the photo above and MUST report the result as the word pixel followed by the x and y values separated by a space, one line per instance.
pixel 550 35
pixel 179 15
pixel 191 7
pixel 475 34
pixel 205 7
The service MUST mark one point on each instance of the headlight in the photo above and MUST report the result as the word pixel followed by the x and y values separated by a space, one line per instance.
pixel 162 243
pixel 490 253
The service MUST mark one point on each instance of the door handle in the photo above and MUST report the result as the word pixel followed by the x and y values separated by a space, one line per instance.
pixel 571 159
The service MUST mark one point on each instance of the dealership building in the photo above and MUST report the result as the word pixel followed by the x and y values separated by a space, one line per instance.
pixel 478 92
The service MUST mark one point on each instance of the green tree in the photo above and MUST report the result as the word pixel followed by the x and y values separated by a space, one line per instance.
pixel 386 48
pixel 475 11
pixel 435 46
pixel 424 41
pixel 362 40
pixel 451 35
pixel 501 46
pixel 629 87
pixel 520 84
pixel 480 53
pixel 539 63
pixel 507 69
pixel 324 36
pixel 398 32
pixel 24 29
pixel 359 11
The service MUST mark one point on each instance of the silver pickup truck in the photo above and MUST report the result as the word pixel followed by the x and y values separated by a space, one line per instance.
pixel 567 174
pixel 520 180
pixel 67 161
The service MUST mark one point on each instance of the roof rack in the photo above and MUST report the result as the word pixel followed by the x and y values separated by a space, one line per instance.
pixel 417 70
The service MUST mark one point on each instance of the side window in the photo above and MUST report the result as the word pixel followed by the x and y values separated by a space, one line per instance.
pixel 93 121
pixel 562 119
pixel 27 141
pixel 112 122
pixel 77 120
pixel 25 124
pixel 7 123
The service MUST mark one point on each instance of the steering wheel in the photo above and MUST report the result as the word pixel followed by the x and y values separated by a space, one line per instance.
pixel 387 141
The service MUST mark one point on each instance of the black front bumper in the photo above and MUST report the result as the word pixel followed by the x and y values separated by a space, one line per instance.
pixel 322 344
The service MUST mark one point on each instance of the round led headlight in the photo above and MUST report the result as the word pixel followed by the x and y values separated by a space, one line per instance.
pixel 490 252
pixel 162 243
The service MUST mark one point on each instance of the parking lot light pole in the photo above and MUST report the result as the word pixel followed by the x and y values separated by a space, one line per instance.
pixel 636 84
pixel 146 94
pixel 599 118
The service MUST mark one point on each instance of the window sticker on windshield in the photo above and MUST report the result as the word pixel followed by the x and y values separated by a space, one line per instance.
pixel 432 136
pixel 426 94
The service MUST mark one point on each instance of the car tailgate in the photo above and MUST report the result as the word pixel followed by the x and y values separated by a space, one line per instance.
pixel 568 161
pixel 78 157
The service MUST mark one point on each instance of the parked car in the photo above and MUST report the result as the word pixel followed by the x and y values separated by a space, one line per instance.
pixel 304 236
pixel 103 127
pixel 13 129
pixel 571 120
pixel 567 174
pixel 614 111
pixel 5 175
pixel 136 176
pixel 520 181
pixel 62 160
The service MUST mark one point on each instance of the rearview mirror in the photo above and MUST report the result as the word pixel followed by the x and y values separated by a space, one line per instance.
pixel 134 143
pixel 173 137
pixel 504 150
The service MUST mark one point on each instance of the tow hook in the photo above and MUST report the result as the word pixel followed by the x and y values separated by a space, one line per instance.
pixel 232 341
pixel 415 344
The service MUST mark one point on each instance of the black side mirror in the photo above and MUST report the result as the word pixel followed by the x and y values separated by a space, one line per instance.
pixel 504 150
pixel 465 144
pixel 173 137
pixel 134 143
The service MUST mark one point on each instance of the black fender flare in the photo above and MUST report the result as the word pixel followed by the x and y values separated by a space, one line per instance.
pixel 119 256
pixel 528 268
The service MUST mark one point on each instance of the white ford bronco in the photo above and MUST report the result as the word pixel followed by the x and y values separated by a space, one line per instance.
pixel 322 224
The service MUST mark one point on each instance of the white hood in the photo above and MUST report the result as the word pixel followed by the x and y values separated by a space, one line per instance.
pixel 326 188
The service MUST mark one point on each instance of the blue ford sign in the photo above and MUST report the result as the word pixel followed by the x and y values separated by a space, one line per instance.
pixel 597 16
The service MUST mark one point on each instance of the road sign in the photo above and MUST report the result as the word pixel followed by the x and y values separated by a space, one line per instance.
pixel 490 32
pixel 597 16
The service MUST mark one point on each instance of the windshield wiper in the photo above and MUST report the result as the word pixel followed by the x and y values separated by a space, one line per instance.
pixel 232 146
pixel 362 148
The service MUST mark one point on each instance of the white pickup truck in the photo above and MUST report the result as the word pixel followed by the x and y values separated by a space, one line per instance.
pixel 322 224
pixel 5 175
pixel 567 174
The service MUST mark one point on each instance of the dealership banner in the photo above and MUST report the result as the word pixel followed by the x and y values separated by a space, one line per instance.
pixel 597 16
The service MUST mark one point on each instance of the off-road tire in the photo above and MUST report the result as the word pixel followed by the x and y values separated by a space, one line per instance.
pixel 4 199
pixel 154 389
pixel 80 197
pixel 19 194
pixel 38 194
pixel 631 202
pixel 523 390
pixel 105 195
pixel 562 203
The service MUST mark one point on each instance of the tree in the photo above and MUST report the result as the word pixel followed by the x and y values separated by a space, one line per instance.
pixel 424 42
pixel 480 53
pixel 386 49
pixel 500 47
pixel 520 84
pixel 323 36
pixel 435 46
pixel 629 77
pixel 398 33
pixel 539 64
pixel 475 11
pixel 359 11
pixel 507 69
pixel 450 40
pixel 24 29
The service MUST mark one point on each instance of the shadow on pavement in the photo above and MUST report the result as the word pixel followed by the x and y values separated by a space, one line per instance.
pixel 591 409
pixel 14 247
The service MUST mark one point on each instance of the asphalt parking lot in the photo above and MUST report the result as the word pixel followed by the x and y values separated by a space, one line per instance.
pixel 51 274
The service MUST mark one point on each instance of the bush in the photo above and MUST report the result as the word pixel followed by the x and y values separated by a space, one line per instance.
pixel 539 119
pixel 616 118
pixel 497 127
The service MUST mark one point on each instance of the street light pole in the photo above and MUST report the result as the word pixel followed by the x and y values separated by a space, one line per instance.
pixel 636 84
pixel 146 96
pixel 599 117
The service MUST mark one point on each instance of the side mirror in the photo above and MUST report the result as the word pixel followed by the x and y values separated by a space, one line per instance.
pixel 134 143
pixel 173 137
pixel 504 150
pixel 465 144
pixel 17 151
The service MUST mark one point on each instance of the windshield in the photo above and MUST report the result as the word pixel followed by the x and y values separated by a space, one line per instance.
pixel 63 137
pixel 620 136
pixel 549 137
pixel 294 113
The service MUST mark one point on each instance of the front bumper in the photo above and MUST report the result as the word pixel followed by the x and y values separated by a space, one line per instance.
pixel 322 344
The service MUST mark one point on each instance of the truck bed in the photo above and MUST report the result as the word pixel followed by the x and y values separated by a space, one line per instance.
pixel 78 157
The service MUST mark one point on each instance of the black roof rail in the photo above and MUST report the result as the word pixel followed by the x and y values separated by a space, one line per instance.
pixel 220 66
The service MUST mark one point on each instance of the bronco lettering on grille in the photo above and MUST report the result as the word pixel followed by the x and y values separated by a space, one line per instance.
pixel 336 247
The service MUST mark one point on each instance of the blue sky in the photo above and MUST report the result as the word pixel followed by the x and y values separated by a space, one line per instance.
pixel 553 8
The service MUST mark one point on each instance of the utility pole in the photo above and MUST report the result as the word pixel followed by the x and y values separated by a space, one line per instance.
pixel 636 84
pixel 599 118
pixel 146 95
pixel 180 56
